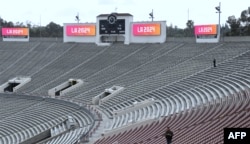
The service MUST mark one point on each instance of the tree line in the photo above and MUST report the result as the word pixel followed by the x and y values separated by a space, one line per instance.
pixel 238 26
pixel 233 27
pixel 50 30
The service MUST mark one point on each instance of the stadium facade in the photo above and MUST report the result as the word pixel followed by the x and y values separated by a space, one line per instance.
pixel 116 27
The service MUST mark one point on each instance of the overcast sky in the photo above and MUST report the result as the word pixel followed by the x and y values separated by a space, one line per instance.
pixel 172 11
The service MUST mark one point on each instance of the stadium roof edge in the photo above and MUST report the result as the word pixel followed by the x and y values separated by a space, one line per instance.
pixel 80 23
pixel 118 14
pixel 148 21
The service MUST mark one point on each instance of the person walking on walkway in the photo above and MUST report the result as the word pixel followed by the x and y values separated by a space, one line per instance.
pixel 168 135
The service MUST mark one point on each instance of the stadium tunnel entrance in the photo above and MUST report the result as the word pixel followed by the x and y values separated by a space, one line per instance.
pixel 65 87
pixel 70 84
pixel 14 84
pixel 107 94
pixel 11 86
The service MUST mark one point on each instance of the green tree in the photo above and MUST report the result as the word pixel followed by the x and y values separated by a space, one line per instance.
pixel 234 26
pixel 245 23
pixel 50 30
pixel 244 16
pixel 1 21
pixel 225 30
pixel 170 30
pixel 10 24
pixel 54 30
pixel 240 26
pixel 189 30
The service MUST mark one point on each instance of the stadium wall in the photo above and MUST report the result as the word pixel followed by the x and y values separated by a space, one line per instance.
pixel 236 39
pixel 169 39
pixel 222 39
pixel 46 39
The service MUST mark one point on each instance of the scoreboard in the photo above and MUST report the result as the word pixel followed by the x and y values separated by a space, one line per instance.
pixel 111 27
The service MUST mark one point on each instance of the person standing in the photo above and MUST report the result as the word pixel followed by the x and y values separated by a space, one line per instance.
pixel 168 135
pixel 214 61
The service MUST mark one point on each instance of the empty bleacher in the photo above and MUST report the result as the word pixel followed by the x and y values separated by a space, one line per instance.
pixel 191 94
pixel 179 74
pixel 23 117
pixel 202 124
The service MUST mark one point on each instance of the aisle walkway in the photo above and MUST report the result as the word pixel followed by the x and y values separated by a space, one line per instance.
pixel 103 125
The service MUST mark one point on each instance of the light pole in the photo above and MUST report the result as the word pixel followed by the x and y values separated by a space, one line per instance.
pixel 151 15
pixel 218 8
pixel 1 26
pixel 40 26
pixel 77 18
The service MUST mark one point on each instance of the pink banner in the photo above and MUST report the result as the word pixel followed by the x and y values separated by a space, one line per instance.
pixel 152 29
pixel 15 31
pixel 80 30
pixel 205 29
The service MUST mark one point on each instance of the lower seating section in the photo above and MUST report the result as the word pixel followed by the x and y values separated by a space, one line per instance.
pixel 179 101
pixel 23 117
pixel 68 138
pixel 149 112
pixel 202 124
pixel 12 105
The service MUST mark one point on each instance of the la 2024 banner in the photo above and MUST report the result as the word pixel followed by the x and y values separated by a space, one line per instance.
pixel 81 30
pixel 15 31
pixel 150 29
pixel 205 29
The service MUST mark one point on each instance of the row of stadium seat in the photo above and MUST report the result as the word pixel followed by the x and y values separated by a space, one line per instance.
pixel 68 138
pixel 140 89
pixel 154 65
pixel 182 98
pixel 97 62
pixel 35 115
pixel 202 124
